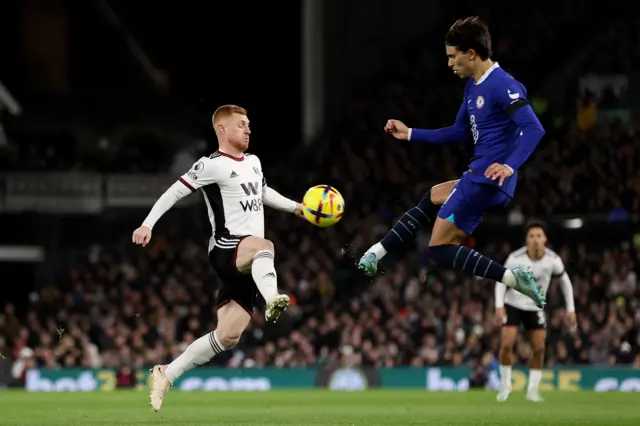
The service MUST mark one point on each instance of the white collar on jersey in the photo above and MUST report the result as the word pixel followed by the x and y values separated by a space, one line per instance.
pixel 488 72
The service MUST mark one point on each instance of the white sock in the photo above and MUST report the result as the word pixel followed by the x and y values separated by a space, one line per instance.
pixel 509 279
pixel 505 376
pixel 378 250
pixel 534 380
pixel 263 272
pixel 197 353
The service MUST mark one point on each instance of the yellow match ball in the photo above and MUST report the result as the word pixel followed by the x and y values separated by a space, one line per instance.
pixel 323 205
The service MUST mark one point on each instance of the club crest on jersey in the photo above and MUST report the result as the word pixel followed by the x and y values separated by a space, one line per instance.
pixel 479 102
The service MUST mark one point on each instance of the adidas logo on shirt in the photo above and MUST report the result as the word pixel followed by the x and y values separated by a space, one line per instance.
pixel 233 174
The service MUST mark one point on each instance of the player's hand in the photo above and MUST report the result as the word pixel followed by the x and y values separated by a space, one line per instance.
pixel 498 171
pixel 298 211
pixel 141 236
pixel 501 316
pixel 397 129
pixel 572 320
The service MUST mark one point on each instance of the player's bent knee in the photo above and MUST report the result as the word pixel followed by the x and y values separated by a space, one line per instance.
pixel 247 250
pixel 228 338
pixel 444 233
pixel 252 245
pixel 267 245
pixel 440 192
pixel 538 351
pixel 506 349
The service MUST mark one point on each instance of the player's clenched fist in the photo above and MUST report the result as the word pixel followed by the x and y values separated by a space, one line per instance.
pixel 141 236
pixel 501 316
pixel 397 129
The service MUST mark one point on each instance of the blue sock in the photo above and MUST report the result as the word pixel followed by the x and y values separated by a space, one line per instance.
pixel 467 260
pixel 402 235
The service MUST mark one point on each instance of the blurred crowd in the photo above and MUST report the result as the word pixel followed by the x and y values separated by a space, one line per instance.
pixel 60 150
pixel 125 307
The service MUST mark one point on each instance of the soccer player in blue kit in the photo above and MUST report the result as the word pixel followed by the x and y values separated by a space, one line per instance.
pixel 505 131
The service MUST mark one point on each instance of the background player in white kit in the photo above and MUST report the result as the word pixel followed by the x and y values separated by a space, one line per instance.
pixel 234 191
pixel 513 309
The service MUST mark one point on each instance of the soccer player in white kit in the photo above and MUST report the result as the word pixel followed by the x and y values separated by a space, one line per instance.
pixel 234 191
pixel 513 309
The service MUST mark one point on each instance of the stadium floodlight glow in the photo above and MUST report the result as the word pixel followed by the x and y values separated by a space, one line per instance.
pixel 573 223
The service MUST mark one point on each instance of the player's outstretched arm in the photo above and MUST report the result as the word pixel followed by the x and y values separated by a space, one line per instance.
pixel 459 132
pixel 171 196
pixel 273 199
pixel 197 177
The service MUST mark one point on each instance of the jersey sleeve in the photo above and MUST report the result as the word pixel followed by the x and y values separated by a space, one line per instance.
pixel 558 271
pixel 558 267
pixel 202 173
pixel 259 166
pixel 272 198
pixel 510 95
pixel 459 132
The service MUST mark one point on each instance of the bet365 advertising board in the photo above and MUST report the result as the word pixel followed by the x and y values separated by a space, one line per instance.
pixel 345 379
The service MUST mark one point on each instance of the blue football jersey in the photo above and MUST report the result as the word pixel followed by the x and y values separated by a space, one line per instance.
pixel 489 104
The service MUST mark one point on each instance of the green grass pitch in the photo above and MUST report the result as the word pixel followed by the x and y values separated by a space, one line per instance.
pixel 318 407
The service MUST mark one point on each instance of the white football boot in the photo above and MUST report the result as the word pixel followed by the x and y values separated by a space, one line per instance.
pixel 534 396
pixel 503 394
pixel 276 306
pixel 160 385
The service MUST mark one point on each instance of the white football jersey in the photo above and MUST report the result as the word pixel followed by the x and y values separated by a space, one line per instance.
pixel 544 269
pixel 232 189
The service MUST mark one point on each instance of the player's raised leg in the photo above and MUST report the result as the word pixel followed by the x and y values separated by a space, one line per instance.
pixel 257 255
pixel 232 321
pixel 508 337
pixel 401 236
pixel 538 338
pixel 459 216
